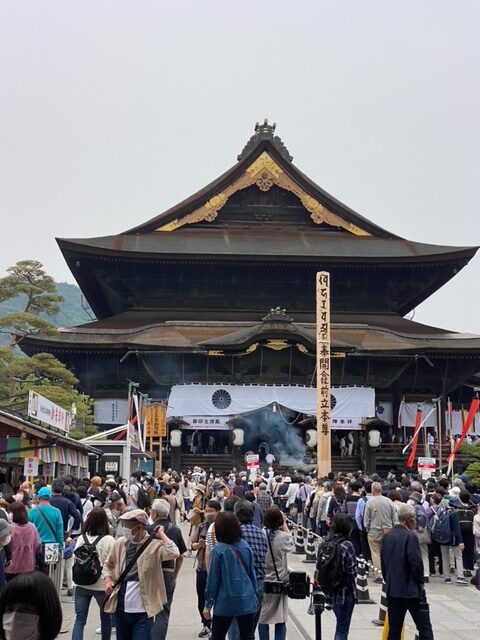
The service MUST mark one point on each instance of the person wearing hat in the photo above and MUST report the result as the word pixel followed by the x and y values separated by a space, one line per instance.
pixel 141 594
pixel 49 523
pixel 196 513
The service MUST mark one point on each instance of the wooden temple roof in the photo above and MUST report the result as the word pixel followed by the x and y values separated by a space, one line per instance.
pixel 198 226
pixel 385 334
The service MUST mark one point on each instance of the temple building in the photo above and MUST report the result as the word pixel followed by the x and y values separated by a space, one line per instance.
pixel 219 292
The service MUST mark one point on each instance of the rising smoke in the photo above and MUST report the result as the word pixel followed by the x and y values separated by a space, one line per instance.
pixel 270 427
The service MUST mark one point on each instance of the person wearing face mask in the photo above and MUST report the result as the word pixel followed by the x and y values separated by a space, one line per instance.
pixel 30 609
pixel 160 515
pixel 134 585
pixel 402 570
pixel 117 507
pixel 212 509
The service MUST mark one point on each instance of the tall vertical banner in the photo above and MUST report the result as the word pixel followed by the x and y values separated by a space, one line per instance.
pixel 324 434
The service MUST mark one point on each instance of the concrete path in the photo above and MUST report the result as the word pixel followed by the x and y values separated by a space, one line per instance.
pixel 455 612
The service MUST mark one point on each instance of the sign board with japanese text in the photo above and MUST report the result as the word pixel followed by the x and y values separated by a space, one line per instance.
pixel 207 422
pixel 111 411
pixel 427 466
pixel 156 420
pixel 253 461
pixel 30 467
pixel 324 418
pixel 48 412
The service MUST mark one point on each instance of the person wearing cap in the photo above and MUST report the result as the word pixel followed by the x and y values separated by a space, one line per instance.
pixel 49 522
pixel 141 595
pixel 160 513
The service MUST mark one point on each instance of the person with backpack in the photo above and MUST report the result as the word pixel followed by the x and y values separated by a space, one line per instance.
pixel 91 551
pixel 422 530
pixel 402 570
pixel 350 508
pixel 336 572
pixel 137 496
pixel 446 531
pixel 322 527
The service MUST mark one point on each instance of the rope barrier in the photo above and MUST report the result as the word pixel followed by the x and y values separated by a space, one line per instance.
pixel 320 538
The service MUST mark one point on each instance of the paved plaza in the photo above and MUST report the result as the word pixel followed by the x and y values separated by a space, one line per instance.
pixel 455 612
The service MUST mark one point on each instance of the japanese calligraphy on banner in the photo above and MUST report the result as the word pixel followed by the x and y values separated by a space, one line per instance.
pixel 48 412
pixel 30 467
pixel 156 420
pixel 323 374
pixel 208 422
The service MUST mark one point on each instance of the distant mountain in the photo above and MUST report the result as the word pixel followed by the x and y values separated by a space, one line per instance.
pixel 73 309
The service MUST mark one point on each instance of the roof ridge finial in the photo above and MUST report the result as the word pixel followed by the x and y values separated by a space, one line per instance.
pixel 265 131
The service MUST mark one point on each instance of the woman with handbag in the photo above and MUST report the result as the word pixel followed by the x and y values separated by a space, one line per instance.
pixel 231 583
pixel 275 600
pixel 95 531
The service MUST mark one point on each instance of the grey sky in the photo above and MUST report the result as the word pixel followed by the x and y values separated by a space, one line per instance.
pixel 112 111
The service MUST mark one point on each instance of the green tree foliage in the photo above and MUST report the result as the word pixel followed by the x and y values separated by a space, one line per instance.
pixel 41 372
pixel 472 452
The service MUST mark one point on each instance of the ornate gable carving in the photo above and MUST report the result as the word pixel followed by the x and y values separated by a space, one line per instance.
pixel 264 172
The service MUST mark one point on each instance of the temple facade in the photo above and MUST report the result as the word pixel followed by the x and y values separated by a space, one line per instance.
pixel 220 290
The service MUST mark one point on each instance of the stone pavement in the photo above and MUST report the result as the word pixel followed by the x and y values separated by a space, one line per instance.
pixel 455 612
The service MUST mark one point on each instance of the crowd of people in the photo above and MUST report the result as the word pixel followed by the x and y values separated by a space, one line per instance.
pixel 108 537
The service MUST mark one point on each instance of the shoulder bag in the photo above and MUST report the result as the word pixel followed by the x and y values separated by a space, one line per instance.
pixel 126 571
pixel 50 553
pixel 296 586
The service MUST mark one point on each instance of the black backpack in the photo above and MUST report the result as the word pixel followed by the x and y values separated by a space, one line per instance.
pixel 330 575
pixel 86 567
pixel 465 520
pixel 143 501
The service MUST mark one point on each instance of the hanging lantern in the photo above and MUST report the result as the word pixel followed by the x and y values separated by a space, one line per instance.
pixel 238 437
pixel 175 437
pixel 374 438
pixel 311 438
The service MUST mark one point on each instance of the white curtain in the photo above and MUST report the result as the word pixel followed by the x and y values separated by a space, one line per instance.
pixel 350 405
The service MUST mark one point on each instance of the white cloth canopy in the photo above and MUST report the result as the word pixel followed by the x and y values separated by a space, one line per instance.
pixel 350 405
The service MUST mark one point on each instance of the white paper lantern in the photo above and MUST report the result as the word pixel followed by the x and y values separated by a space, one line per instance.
pixel 238 437
pixel 311 438
pixel 374 438
pixel 175 437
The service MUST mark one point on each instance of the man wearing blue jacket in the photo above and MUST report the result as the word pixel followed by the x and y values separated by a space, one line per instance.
pixel 402 570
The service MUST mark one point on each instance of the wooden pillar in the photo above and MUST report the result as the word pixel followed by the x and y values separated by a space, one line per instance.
pixel 324 433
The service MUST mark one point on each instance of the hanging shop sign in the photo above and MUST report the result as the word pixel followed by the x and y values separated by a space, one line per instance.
pixel 48 412
pixel 30 467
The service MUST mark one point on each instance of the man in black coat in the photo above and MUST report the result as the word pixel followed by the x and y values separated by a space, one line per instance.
pixel 402 569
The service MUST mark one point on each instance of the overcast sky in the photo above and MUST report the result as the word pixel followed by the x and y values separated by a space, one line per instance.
pixel 112 111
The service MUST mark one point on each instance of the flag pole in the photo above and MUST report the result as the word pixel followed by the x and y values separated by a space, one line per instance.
pixel 324 432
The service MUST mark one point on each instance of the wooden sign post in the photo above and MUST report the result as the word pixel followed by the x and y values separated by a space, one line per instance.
pixel 324 433
pixel 156 427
